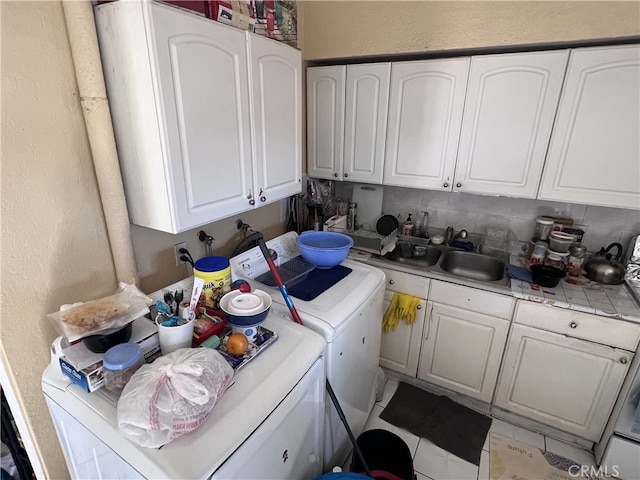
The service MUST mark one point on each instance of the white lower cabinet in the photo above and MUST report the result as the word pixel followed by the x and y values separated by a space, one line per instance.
pixel 400 349
pixel 568 383
pixel 462 350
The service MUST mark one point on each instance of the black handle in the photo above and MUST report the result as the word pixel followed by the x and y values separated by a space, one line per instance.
pixel 615 244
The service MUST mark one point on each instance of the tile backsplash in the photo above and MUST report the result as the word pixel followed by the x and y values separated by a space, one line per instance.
pixel 604 225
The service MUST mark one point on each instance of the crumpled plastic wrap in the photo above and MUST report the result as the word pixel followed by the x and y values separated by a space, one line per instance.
pixel 88 318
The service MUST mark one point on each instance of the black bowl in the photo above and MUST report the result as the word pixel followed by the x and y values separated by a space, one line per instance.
pixel 101 343
pixel 546 276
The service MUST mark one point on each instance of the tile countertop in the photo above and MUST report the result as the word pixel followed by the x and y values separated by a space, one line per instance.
pixel 579 293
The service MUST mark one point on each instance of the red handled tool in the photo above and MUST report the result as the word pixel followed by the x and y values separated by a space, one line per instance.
pixel 278 279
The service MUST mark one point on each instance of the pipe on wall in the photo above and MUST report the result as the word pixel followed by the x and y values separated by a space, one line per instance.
pixel 97 116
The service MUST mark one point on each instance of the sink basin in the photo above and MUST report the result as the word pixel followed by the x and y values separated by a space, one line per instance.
pixel 429 259
pixel 473 265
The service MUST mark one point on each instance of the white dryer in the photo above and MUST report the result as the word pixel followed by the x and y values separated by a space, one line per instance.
pixel 344 305
pixel 268 424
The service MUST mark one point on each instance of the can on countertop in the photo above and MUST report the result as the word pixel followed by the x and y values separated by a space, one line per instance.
pixel 215 271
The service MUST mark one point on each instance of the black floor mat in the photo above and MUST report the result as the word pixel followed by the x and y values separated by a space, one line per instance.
pixel 449 425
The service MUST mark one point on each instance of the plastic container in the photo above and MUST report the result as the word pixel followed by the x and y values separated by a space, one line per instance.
pixel 544 227
pixel 292 271
pixel 538 254
pixel 324 249
pixel 216 273
pixel 556 259
pixel 120 363
pixel 560 241
pixel 246 309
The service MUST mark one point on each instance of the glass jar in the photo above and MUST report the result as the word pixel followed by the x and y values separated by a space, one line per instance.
pixel 544 226
pixel 120 363
pixel 556 259
pixel 577 253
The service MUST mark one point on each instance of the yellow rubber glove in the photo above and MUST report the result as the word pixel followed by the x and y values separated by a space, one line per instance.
pixel 408 306
pixel 390 319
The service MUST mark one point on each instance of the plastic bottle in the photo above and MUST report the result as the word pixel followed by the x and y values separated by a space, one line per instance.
pixel 423 227
pixel 408 227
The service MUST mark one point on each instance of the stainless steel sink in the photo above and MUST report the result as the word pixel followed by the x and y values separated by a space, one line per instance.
pixel 473 265
pixel 430 258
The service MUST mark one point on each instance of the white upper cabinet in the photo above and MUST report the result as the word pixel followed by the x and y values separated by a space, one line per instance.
pixel 365 128
pixel 325 121
pixel 276 90
pixel 594 155
pixel 426 101
pixel 347 120
pixel 197 126
pixel 508 115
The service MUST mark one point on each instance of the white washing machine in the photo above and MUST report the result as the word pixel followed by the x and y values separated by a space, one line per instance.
pixel 348 315
pixel 268 424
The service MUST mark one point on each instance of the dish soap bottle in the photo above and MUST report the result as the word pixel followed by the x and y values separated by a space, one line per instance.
pixel 408 227
pixel 423 227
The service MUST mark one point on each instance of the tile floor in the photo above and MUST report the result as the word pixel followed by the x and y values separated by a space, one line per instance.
pixel 433 463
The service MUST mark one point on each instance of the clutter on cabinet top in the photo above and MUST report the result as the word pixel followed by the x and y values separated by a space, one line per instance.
pixel 276 20
pixel 82 319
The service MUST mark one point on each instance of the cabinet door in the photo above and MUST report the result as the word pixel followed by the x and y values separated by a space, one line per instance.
pixel 204 100
pixel 400 349
pixel 567 383
pixel 277 122
pixel 508 114
pixel 325 121
pixel 462 350
pixel 366 104
pixel 595 146
pixel 425 113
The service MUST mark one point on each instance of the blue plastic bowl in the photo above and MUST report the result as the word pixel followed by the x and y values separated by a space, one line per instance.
pixel 324 249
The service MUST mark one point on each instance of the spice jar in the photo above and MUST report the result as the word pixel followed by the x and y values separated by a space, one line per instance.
pixel 538 254
pixel 544 226
pixel 120 363
pixel 556 259
pixel 577 253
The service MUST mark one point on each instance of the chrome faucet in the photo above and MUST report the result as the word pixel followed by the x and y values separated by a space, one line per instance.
pixel 449 237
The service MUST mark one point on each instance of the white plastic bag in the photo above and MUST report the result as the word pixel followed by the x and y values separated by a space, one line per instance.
pixel 172 396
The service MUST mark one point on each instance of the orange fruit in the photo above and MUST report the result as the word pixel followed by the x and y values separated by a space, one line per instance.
pixel 237 344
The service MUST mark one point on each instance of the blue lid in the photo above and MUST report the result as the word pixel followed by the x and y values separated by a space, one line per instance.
pixel 211 264
pixel 122 356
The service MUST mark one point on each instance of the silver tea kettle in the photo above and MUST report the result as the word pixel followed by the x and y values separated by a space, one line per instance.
pixel 602 268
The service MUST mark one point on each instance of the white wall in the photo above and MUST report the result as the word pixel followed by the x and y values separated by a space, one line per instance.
pixel 54 244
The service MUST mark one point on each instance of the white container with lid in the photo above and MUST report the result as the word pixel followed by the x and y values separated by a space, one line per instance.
pixel 120 363
pixel 544 227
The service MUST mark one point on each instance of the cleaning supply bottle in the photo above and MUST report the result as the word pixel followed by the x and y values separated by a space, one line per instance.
pixel 408 227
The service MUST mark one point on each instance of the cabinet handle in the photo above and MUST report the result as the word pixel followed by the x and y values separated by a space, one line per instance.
pixel 623 360
pixel 391 282
pixel 458 185
pixel 346 175
pixel 263 198
pixel 446 185
pixel 419 307
pixel 335 175
pixel 573 325
pixel 252 202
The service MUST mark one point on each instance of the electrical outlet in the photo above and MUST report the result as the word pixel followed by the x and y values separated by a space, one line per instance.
pixel 176 249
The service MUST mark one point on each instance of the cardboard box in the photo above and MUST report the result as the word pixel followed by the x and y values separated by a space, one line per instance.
pixel 84 367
